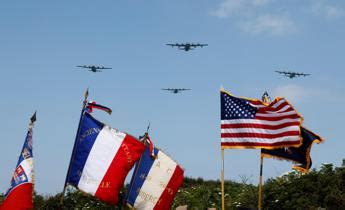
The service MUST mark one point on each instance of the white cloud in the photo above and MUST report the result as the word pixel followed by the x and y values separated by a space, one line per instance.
pixel 334 12
pixel 252 17
pixel 238 7
pixel 228 8
pixel 260 2
pixel 293 93
pixel 297 94
pixel 323 8
pixel 275 25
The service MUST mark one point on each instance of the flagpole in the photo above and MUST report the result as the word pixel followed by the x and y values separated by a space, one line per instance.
pixel 144 141
pixel 31 126
pixel 266 99
pixel 222 180
pixel 260 182
pixel 75 143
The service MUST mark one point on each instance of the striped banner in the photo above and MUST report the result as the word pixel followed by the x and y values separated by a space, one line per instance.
pixel 250 123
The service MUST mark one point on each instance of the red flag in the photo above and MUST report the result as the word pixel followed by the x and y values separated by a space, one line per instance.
pixel 20 193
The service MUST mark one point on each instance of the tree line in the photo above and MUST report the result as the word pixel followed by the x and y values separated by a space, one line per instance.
pixel 323 188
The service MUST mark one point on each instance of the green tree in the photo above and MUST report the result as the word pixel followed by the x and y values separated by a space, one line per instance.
pixel 324 188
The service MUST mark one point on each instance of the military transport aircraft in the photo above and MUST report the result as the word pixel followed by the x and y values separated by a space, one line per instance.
pixel 292 74
pixel 94 68
pixel 175 90
pixel 187 46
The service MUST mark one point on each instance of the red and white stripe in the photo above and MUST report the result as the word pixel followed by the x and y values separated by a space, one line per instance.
pixel 112 156
pixel 161 185
pixel 274 125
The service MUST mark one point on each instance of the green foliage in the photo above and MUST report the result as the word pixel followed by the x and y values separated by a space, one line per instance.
pixel 1 198
pixel 317 189
pixel 324 188
pixel 72 200
pixel 200 194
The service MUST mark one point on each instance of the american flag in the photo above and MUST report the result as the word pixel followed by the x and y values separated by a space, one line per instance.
pixel 250 123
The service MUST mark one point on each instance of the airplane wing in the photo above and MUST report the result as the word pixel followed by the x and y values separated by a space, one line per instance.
pixel 83 66
pixel 281 72
pixel 173 45
pixel 102 67
pixel 199 45
pixel 302 74
pixel 167 89
pixel 183 89
pixel 285 73
pixel 203 45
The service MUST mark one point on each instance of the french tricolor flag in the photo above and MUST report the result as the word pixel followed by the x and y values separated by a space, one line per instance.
pixel 155 181
pixel 20 193
pixel 102 158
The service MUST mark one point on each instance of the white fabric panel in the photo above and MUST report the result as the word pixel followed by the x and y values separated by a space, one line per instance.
pixel 259 130
pixel 156 181
pixel 28 167
pixel 276 114
pixel 262 140
pixel 279 103
pixel 98 162
pixel 251 121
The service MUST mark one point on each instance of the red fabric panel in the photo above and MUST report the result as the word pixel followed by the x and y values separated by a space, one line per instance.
pixel 170 191
pixel 128 153
pixel 20 198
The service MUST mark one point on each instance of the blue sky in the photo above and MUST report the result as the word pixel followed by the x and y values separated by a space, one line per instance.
pixel 42 42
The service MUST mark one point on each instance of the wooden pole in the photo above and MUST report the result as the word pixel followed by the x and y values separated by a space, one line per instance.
pixel 75 143
pixel 144 141
pixel 260 182
pixel 266 99
pixel 31 125
pixel 222 181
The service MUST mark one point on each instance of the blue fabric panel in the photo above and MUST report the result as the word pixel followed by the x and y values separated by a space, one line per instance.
pixel 90 128
pixel 142 168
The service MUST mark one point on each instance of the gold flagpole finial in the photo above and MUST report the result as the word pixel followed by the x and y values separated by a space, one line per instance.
pixel 266 98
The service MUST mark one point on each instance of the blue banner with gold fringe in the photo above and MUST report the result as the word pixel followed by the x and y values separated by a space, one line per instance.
pixel 300 155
